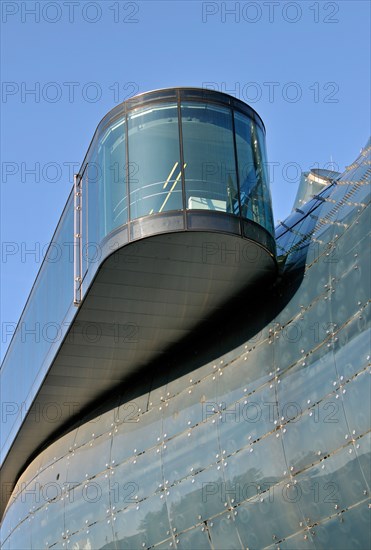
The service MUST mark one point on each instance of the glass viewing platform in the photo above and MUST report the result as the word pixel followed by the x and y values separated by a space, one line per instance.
pixel 172 209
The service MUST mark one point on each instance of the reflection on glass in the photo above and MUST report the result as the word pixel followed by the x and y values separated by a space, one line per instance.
pixel 154 163
pixel 210 172
pixel 252 171
pixel 111 173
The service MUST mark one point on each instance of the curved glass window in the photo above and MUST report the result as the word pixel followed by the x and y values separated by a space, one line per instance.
pixel 155 176
pixel 111 174
pixel 209 158
pixel 252 171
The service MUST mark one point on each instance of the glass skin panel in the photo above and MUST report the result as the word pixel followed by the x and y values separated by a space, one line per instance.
pixel 132 438
pixel 253 472
pixel 353 346
pixel 136 479
pixel 40 327
pixel 196 498
pixel 154 162
pixel 253 172
pixel 90 460
pixel 318 432
pixel 356 402
pixel 111 176
pixel 144 524
pixel 48 525
pixel 189 408
pixel 223 532
pixel 335 483
pixel 182 457
pixel 352 532
pixel 209 158
pixel 94 537
pixel 247 420
pixel 87 503
pixel 258 523
pixel 196 538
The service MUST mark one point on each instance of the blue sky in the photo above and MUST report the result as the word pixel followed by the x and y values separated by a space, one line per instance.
pixel 304 66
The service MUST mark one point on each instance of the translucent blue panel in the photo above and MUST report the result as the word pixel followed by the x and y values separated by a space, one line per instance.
pixel 42 326
pixel 154 162
pixel 48 525
pixel 90 459
pixel 254 368
pixel 132 438
pixel 363 450
pixel 54 453
pixel 21 537
pixel 351 530
pixel 252 472
pixel 190 452
pixel 95 427
pixel 87 503
pixel 250 369
pixel 356 402
pixel 142 525
pixel 5 528
pixel 270 519
pixel 209 158
pixel 195 538
pixel 247 420
pixel 97 536
pixel 306 383
pixel 320 431
pixel 107 179
pixel 189 407
pixel 136 479
pixel 353 349
pixel 196 498
pixel 223 532
pixel 334 484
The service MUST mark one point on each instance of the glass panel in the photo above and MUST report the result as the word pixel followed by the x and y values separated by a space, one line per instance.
pixel 209 159
pixel 142 525
pixel 224 534
pixel 269 519
pixel 317 433
pixel 154 164
pixel 196 498
pixel 94 178
pixel 41 327
pixel 352 532
pixel 253 173
pixel 335 483
pixel 190 452
pixel 195 538
pixel 111 178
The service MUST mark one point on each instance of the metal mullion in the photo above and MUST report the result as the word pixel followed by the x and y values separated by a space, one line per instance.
pixel 77 252
pixel 181 152
pixel 127 169
pixel 237 168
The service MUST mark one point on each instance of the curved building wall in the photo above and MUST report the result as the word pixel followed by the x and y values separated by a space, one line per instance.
pixel 158 163
pixel 254 434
